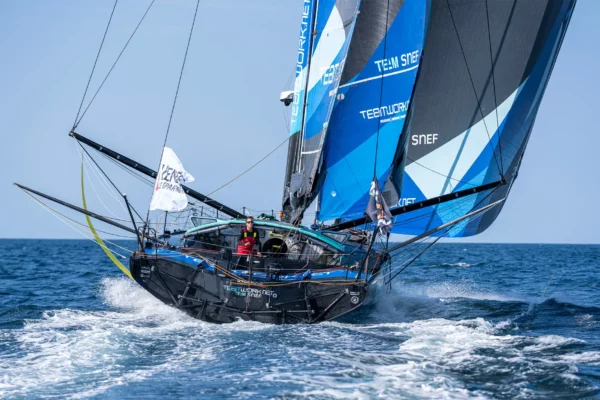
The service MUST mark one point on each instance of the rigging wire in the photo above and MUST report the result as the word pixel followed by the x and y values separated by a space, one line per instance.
pixel 102 183
pixel 135 174
pixel 116 217
pixel 400 267
pixel 56 214
pixel 94 67
pixel 473 85
pixel 251 167
pixel 493 63
pixel 439 173
pixel 180 76
pixel 387 21
pixel 110 180
pixel 415 257
pixel 113 66
pixel 176 95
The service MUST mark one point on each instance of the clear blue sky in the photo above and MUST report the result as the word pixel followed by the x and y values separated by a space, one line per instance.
pixel 228 115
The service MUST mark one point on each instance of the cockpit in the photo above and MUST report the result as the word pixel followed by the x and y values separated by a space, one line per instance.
pixel 275 240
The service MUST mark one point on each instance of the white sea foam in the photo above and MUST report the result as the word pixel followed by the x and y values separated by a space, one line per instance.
pixel 586 357
pixel 429 361
pixel 586 320
pixel 72 347
pixel 458 264
pixel 79 354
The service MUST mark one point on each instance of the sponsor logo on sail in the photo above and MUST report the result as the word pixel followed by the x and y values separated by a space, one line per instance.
pixel 301 60
pixel 332 74
pixel 428 138
pixel 392 63
pixel 393 111
pixel 405 201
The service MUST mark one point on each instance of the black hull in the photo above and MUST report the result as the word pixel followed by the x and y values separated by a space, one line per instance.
pixel 215 297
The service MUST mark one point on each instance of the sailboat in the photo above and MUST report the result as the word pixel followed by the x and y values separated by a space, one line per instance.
pixel 407 117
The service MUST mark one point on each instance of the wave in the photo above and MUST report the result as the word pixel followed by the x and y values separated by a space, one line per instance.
pixel 435 358
pixel 138 339
pixel 62 352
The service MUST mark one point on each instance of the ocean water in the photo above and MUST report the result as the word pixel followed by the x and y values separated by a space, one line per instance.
pixel 466 321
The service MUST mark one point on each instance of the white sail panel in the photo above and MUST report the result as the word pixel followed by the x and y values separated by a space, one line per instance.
pixel 168 194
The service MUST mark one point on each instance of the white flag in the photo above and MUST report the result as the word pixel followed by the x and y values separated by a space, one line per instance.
pixel 168 194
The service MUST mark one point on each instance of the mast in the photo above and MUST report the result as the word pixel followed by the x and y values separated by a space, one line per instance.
pixel 151 173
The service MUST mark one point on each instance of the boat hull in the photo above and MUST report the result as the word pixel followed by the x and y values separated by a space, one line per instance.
pixel 218 296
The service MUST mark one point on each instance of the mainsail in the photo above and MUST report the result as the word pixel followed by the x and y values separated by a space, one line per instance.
pixel 371 103
pixel 325 34
pixel 481 81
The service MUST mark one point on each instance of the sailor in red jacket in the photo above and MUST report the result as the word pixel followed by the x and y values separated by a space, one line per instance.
pixel 248 238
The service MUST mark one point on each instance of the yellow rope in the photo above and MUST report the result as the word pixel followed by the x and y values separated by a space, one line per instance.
pixel 98 239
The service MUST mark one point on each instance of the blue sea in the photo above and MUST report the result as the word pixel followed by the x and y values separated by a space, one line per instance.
pixel 485 321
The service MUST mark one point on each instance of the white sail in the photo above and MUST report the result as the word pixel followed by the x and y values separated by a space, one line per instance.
pixel 168 194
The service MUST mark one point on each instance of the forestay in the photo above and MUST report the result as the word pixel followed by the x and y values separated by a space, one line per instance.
pixel 481 81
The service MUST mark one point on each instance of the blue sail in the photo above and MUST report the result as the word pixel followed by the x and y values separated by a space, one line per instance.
pixel 474 105
pixel 306 31
pixel 332 29
pixel 371 103
pixel 334 26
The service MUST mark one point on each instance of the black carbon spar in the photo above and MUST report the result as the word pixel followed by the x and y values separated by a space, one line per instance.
pixel 84 211
pixel 422 204
pixel 149 172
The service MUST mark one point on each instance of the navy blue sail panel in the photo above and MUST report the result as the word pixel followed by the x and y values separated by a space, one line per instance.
pixel 333 25
pixel 373 96
pixel 481 82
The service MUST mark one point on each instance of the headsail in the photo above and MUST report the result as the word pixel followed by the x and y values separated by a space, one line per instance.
pixel 316 83
pixel 371 103
pixel 481 82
